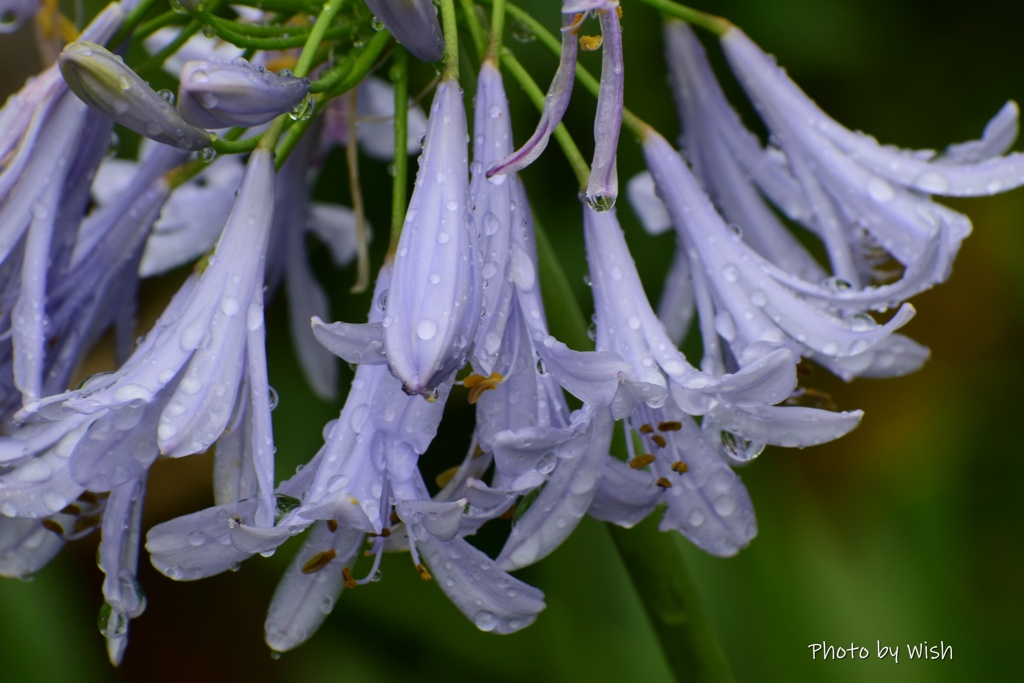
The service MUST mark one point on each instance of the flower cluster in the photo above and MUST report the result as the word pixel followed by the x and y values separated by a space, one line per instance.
pixel 457 303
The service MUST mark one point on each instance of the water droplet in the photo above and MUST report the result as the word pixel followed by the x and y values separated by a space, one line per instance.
pixel 695 518
pixel 435 278
pixel 206 155
pixel 738 448
pixel 426 329
pixel 196 538
pixel 382 301
pixel 932 182
pixel 491 224
pixel 229 305
pixel 376 24
pixel 880 190
pixel 546 463
pixel 303 110
pixel 485 621
pixel 274 398
pixel 522 33
pixel 601 202
pixel 731 273
pixel 759 298
pixel 166 95
pixel 113 622
pixel 592 331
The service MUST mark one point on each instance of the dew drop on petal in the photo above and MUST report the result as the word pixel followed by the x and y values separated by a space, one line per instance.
pixel 426 329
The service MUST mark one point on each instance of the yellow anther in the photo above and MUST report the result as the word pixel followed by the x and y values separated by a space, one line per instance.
pixel 346 574
pixel 672 426
pixel 659 439
pixel 478 384
pixel 680 467
pixel 384 533
pixel 646 428
pixel 444 477
pixel 318 561
pixel 664 483
pixel 577 21
pixel 424 574
pixel 641 461
pixel 283 60
pixel 590 43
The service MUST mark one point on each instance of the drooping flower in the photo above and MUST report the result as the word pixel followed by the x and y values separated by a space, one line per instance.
pixel 433 302
pixel 414 24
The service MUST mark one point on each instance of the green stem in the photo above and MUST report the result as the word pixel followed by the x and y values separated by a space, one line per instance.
pixel 157 59
pixel 669 596
pixel 399 181
pixel 316 36
pixel 497 30
pixel 338 80
pixel 715 24
pixel 536 95
pixel 473 23
pixel 168 18
pixel 451 41
pixel 131 21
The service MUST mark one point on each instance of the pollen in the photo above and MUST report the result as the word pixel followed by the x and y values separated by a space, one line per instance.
pixel 590 43
pixel 646 429
pixel 659 439
pixel 680 467
pixel 672 426
pixel 424 574
pixel 664 483
pixel 318 561
pixel 641 461
pixel 478 384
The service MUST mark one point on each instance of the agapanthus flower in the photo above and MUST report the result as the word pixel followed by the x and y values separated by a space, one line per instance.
pixel 14 12
pixel 217 95
pixel 433 302
pixel 414 24
pixel 602 188
pixel 102 80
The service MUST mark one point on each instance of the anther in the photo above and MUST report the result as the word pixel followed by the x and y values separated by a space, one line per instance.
pixel 680 467
pixel 641 461
pixel 478 384
pixel 443 478
pixel 659 439
pixel 424 574
pixel 590 43
pixel 671 426
pixel 332 525
pixel 53 526
pixel 645 428
pixel 664 483
pixel 346 574
pixel 318 561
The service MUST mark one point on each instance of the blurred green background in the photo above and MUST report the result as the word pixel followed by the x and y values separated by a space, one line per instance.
pixel 908 530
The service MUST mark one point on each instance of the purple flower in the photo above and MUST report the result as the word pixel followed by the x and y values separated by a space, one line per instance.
pixel 414 24
pixel 216 95
pixel 102 80
pixel 603 186
pixel 433 303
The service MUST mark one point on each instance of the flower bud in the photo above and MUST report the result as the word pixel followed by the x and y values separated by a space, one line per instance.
pixel 102 80
pixel 414 24
pixel 213 95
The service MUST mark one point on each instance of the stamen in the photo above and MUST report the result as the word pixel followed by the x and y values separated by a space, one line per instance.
pixel 443 478
pixel 680 467
pixel 53 526
pixel 318 561
pixel 590 43
pixel 424 574
pixel 641 461
pixel 478 384
pixel 350 582
pixel 659 439
pixel 332 525
pixel 645 428
pixel 672 426
pixel 664 483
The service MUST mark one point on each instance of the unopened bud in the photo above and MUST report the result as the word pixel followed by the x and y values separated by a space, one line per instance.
pixel 414 24
pixel 214 95
pixel 102 80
